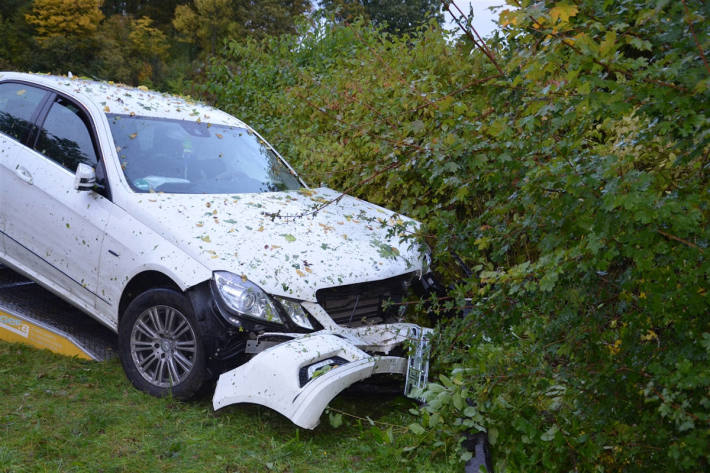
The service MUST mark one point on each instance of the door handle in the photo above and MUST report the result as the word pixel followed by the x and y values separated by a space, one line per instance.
pixel 23 174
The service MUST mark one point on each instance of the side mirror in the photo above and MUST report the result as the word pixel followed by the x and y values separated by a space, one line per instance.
pixel 85 177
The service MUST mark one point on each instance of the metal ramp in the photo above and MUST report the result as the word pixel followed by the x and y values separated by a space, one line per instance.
pixel 32 315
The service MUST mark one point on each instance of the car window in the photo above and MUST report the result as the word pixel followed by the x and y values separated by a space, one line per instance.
pixel 185 157
pixel 17 104
pixel 65 137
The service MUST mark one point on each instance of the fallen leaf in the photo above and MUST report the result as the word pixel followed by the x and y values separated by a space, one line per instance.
pixel 306 192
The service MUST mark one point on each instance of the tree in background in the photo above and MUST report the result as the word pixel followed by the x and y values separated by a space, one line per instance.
pixel 396 16
pixel 15 35
pixel 61 19
pixel 204 23
pixel 268 17
pixel 66 34
pixel 146 46
pixel 133 40
pixel 160 11
pixel 212 21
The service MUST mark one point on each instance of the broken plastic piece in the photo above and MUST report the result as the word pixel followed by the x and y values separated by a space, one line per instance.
pixel 280 378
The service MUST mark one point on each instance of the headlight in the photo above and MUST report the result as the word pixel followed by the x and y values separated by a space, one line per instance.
pixel 245 297
pixel 295 312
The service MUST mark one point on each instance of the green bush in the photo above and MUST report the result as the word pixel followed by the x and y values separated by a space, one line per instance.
pixel 570 174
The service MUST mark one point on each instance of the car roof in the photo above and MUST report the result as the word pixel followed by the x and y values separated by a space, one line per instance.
pixel 127 100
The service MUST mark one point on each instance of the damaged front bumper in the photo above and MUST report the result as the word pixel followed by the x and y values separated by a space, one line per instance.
pixel 299 377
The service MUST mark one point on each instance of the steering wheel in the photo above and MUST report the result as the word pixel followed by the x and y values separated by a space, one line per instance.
pixel 168 163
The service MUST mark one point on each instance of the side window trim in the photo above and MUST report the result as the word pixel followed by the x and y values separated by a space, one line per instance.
pixel 42 112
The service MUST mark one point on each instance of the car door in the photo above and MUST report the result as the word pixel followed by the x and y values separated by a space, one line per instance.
pixel 54 232
pixel 19 106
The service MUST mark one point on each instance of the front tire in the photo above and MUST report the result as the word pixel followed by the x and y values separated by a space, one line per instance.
pixel 161 346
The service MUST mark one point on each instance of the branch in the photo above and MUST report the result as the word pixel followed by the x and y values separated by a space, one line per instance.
pixel 402 428
pixel 276 215
pixel 695 38
pixel 471 84
pixel 685 242
pixel 477 40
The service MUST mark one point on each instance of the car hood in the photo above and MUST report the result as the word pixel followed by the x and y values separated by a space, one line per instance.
pixel 289 243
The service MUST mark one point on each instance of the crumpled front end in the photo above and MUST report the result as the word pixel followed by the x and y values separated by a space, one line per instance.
pixel 299 377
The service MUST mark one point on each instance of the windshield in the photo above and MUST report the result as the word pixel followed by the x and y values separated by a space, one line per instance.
pixel 185 157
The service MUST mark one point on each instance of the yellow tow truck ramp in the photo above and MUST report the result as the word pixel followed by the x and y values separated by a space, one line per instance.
pixel 33 316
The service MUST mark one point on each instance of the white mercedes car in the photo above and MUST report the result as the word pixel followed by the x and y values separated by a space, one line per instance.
pixel 180 228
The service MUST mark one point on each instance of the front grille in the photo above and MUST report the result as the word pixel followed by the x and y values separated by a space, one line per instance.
pixel 362 304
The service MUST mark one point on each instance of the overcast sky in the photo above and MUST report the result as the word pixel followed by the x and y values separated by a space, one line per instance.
pixel 482 16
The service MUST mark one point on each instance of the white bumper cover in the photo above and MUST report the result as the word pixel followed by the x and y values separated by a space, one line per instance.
pixel 298 378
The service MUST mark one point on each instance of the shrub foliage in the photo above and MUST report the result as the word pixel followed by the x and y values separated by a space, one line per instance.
pixel 568 169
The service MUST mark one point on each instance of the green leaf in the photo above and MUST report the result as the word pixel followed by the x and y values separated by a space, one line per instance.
pixel 492 435
pixel 446 381
pixel 458 402
pixel 416 429
pixel 390 435
pixel 335 419
pixel 607 46
pixel 549 434
pixel 584 88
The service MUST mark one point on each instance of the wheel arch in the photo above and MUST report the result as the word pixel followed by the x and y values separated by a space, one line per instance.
pixel 140 283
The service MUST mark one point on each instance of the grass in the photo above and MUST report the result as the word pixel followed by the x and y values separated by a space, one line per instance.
pixel 61 414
